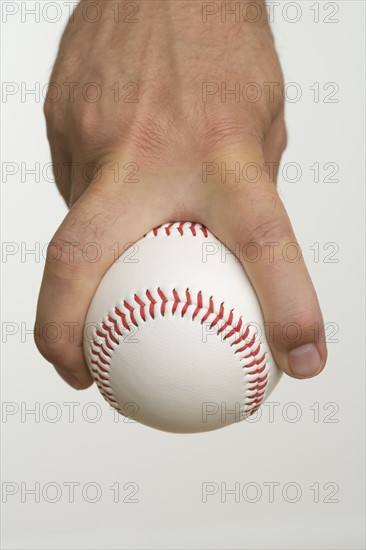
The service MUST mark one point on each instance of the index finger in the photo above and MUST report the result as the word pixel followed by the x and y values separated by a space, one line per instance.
pixel 91 237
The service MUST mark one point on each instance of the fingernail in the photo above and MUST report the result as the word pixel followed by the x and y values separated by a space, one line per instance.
pixel 305 361
pixel 69 378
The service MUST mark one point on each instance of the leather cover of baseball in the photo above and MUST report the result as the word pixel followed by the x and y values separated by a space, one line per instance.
pixel 175 336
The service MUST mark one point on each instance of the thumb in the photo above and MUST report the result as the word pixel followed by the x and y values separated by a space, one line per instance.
pixel 252 221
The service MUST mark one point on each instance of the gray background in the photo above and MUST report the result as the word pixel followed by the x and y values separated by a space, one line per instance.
pixel 323 449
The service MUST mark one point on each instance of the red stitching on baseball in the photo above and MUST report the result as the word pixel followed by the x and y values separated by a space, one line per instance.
pixel 235 329
pixel 176 301
pixel 115 325
pixel 199 305
pixel 102 357
pixel 96 353
pixel 163 302
pixel 152 304
pixel 131 310
pixel 110 332
pixel 187 303
pixel 168 228
pixel 209 311
pixel 142 307
pixel 247 345
pixel 180 227
pixel 101 335
pixel 218 317
pixel 228 323
pixel 244 336
pixel 123 318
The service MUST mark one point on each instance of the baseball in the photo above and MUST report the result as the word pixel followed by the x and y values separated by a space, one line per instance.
pixel 174 336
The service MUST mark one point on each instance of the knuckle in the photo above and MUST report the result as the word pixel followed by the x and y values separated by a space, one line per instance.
pixel 53 351
pixel 266 228
pixel 65 253
pixel 55 121
pixel 87 121
pixel 59 352
pixel 302 316
pixel 300 324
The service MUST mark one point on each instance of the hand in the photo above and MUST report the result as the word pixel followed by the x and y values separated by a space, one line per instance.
pixel 177 141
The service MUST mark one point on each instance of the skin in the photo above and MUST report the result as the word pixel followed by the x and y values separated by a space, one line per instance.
pixel 169 134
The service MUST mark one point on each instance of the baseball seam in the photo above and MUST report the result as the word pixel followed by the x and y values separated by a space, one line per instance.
pixel 127 316
pixel 181 227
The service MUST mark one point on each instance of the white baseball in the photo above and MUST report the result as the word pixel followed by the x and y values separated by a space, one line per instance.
pixel 175 336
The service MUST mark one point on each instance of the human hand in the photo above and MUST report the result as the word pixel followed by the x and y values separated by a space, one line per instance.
pixel 138 164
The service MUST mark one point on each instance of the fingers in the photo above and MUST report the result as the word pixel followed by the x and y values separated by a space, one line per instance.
pixel 249 217
pixel 95 232
pixel 252 221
